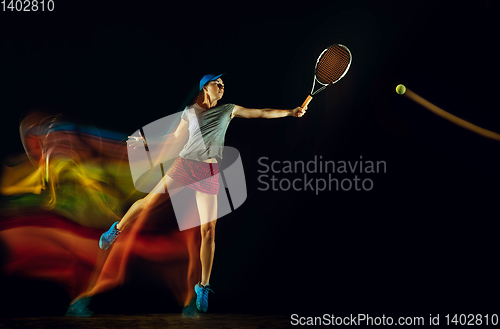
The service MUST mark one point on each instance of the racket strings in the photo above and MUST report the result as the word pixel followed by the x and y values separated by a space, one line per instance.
pixel 333 64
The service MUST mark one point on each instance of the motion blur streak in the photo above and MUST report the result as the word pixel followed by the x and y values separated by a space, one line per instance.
pixel 70 185
pixel 450 117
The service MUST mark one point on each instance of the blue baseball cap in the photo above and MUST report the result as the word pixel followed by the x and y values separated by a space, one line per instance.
pixel 208 78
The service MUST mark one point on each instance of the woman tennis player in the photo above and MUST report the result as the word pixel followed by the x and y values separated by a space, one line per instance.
pixel 197 167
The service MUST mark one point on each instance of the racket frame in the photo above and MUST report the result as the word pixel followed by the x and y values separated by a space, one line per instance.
pixel 324 85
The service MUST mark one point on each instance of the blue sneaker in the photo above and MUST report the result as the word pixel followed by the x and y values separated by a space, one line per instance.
pixel 80 308
pixel 108 237
pixel 202 296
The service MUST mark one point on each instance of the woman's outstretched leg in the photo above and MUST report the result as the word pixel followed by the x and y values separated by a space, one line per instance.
pixel 154 198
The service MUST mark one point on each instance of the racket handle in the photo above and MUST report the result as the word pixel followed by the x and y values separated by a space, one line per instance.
pixel 307 101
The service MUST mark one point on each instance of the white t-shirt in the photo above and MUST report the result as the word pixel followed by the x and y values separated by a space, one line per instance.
pixel 207 131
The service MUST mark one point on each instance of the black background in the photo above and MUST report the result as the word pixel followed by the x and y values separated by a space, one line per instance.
pixel 422 241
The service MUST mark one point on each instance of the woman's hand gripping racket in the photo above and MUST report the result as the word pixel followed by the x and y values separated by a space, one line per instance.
pixel 331 66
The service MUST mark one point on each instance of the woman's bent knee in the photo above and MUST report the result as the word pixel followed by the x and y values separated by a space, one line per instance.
pixel 141 203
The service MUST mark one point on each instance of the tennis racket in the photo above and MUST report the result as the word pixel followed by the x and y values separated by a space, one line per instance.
pixel 331 66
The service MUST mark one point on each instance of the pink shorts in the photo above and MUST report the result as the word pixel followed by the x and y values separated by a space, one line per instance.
pixel 197 175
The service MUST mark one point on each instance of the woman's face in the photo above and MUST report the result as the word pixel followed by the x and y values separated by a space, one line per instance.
pixel 215 89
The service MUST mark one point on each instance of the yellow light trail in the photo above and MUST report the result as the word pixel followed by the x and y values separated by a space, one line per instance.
pixel 450 117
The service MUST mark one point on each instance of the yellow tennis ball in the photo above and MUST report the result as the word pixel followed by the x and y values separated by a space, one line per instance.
pixel 401 89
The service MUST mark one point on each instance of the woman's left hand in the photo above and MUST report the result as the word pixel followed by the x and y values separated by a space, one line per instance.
pixel 299 111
